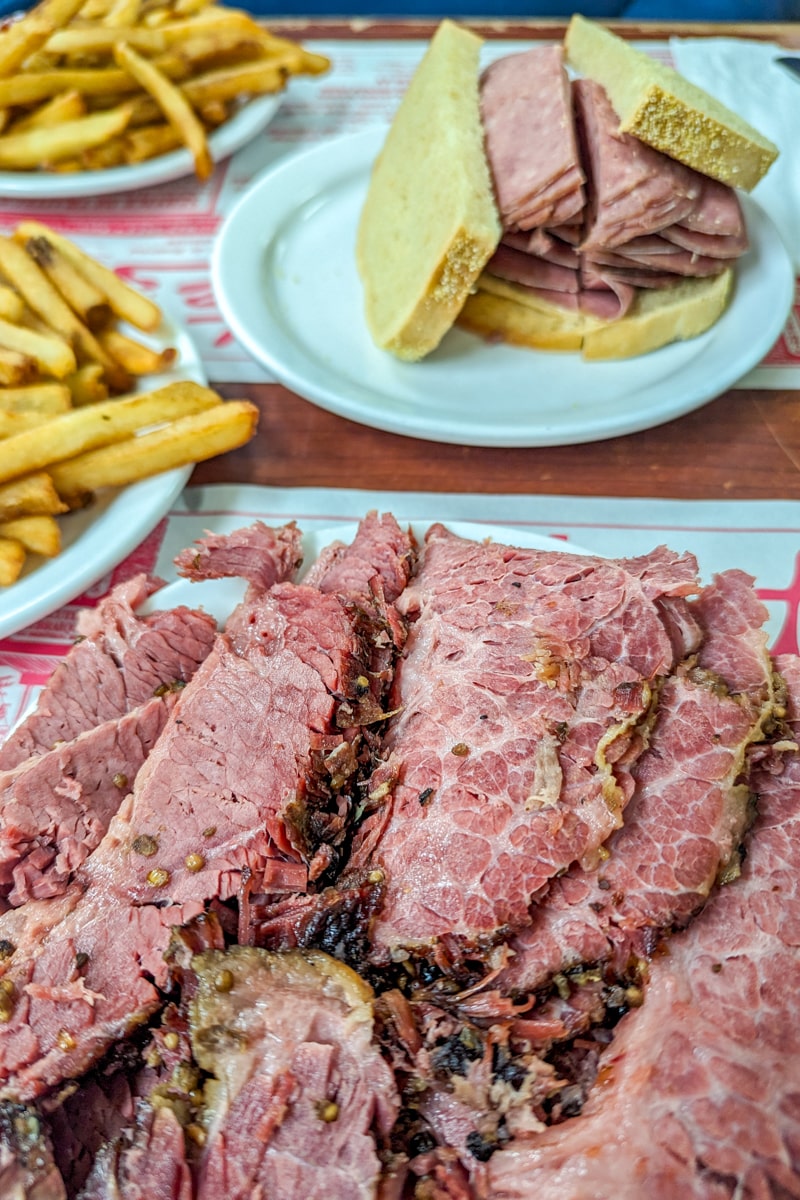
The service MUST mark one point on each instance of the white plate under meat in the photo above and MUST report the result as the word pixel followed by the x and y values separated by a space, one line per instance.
pixel 96 538
pixel 285 278
pixel 220 596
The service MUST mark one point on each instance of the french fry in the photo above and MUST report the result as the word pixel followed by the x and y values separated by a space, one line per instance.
pixel 126 303
pixel 41 61
pixel 52 354
pixel 68 166
pixel 58 12
pixel 30 496
pixel 122 12
pixel 89 39
pixel 49 304
pixel 135 358
pixel 174 106
pixel 95 10
pixel 66 106
pixel 12 560
pixel 42 85
pixel 21 40
pixel 226 84
pixel 188 440
pixel 15 368
pixel 82 296
pixel 187 8
pixel 49 399
pixel 99 425
pixel 86 385
pixel 150 141
pixel 215 112
pixel 110 154
pixel 218 44
pixel 12 423
pixel 11 304
pixel 32 147
pixel 145 111
pixel 63 104
pixel 293 53
pixel 39 535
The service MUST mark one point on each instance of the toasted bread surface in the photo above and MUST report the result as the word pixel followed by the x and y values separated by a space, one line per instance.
pixel 660 107
pixel 657 318
pixel 429 223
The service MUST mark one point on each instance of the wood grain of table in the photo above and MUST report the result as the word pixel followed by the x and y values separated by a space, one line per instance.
pixel 743 445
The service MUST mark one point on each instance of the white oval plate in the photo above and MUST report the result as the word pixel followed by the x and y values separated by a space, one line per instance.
pixel 96 538
pixel 250 119
pixel 220 596
pixel 285 278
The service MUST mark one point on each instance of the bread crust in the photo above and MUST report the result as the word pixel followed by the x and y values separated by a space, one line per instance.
pixel 429 224
pixel 667 111
pixel 657 318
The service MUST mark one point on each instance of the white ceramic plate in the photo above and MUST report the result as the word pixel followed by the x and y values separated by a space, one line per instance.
pixel 96 538
pixel 240 129
pixel 220 596
pixel 285 278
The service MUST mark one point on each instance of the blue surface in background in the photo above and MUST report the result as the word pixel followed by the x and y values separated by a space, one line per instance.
pixel 679 10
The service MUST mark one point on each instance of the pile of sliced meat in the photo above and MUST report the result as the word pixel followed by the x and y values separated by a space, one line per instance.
pixel 453 871
pixel 590 214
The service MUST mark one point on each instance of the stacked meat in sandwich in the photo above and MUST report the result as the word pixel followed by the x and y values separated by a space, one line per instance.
pixel 590 214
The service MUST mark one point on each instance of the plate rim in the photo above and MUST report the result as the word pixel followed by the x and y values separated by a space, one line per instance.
pixel 349 155
pixel 251 119
pixel 44 591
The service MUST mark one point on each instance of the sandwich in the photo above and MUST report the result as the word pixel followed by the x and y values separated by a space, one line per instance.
pixel 597 214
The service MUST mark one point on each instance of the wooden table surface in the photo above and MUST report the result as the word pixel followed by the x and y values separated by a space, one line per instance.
pixel 745 444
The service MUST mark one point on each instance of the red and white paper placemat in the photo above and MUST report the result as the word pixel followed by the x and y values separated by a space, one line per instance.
pixel 761 537
pixel 161 237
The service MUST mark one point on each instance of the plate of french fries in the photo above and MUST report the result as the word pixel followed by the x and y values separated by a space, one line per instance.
pixel 100 96
pixel 103 412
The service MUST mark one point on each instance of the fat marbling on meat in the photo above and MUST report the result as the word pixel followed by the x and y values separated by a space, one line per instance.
pixel 698 1095
pixel 210 809
pixel 525 676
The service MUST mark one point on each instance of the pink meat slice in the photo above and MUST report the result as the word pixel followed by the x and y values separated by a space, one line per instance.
pixel 56 807
pixel 237 751
pixel 684 821
pixel 551 207
pixel 119 663
pixel 268 697
pixel 569 232
pixel 27 1169
pixel 634 189
pixel 717 212
pixel 248 743
pixel 258 553
pixel 609 304
pixel 153 1164
pixel 531 271
pixel 519 664
pixel 381 554
pixel 551 249
pixel 698 1093
pixel 85 971
pixel 596 276
pixel 681 263
pixel 530 138
pixel 688 813
pixel 302 1100
pixel 706 244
